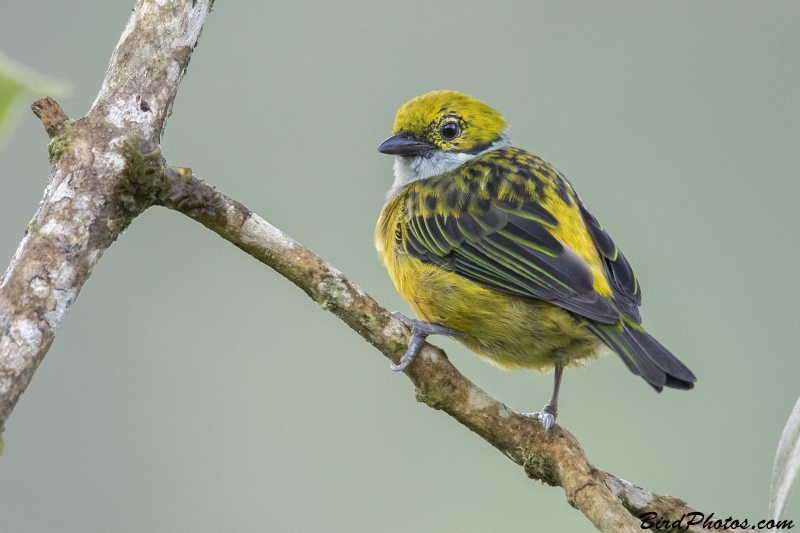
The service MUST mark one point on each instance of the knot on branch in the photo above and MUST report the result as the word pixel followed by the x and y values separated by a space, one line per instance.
pixel 147 180
pixel 142 179
pixel 189 195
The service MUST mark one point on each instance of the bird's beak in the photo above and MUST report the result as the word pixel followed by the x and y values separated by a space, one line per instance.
pixel 403 143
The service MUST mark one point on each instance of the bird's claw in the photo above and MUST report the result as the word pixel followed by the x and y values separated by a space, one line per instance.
pixel 419 332
pixel 420 327
pixel 404 362
pixel 547 420
pixel 547 416
pixel 409 322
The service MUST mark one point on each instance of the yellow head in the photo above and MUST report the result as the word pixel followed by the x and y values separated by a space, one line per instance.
pixel 438 132
pixel 451 121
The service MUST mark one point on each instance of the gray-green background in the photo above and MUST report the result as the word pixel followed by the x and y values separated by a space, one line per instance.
pixel 193 389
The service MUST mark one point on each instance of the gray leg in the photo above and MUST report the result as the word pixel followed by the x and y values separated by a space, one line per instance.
pixel 547 416
pixel 419 332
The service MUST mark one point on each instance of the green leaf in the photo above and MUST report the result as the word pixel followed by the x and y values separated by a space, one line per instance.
pixel 787 464
pixel 19 84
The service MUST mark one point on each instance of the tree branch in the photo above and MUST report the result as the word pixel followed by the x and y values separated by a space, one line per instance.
pixel 107 168
pixel 79 216
pixel 555 458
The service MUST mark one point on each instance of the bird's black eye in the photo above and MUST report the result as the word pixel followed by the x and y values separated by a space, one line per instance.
pixel 450 130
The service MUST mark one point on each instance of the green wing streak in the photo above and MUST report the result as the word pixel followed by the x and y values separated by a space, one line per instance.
pixel 520 264
pixel 450 240
pixel 528 244
pixel 531 216
pixel 500 265
pixel 444 247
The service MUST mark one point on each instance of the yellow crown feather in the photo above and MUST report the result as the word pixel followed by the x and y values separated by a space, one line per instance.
pixel 481 125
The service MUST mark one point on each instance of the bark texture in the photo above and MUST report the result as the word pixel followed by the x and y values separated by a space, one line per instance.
pixel 81 212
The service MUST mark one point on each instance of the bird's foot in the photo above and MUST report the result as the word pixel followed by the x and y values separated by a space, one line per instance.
pixel 419 332
pixel 547 416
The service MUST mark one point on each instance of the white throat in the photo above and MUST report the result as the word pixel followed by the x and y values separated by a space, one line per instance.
pixel 408 169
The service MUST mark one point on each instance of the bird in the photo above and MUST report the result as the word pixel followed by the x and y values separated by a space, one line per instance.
pixel 491 246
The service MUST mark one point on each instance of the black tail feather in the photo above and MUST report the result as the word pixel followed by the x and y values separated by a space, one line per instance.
pixel 644 356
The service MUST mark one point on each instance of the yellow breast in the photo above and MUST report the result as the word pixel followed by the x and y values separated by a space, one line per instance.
pixel 510 331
